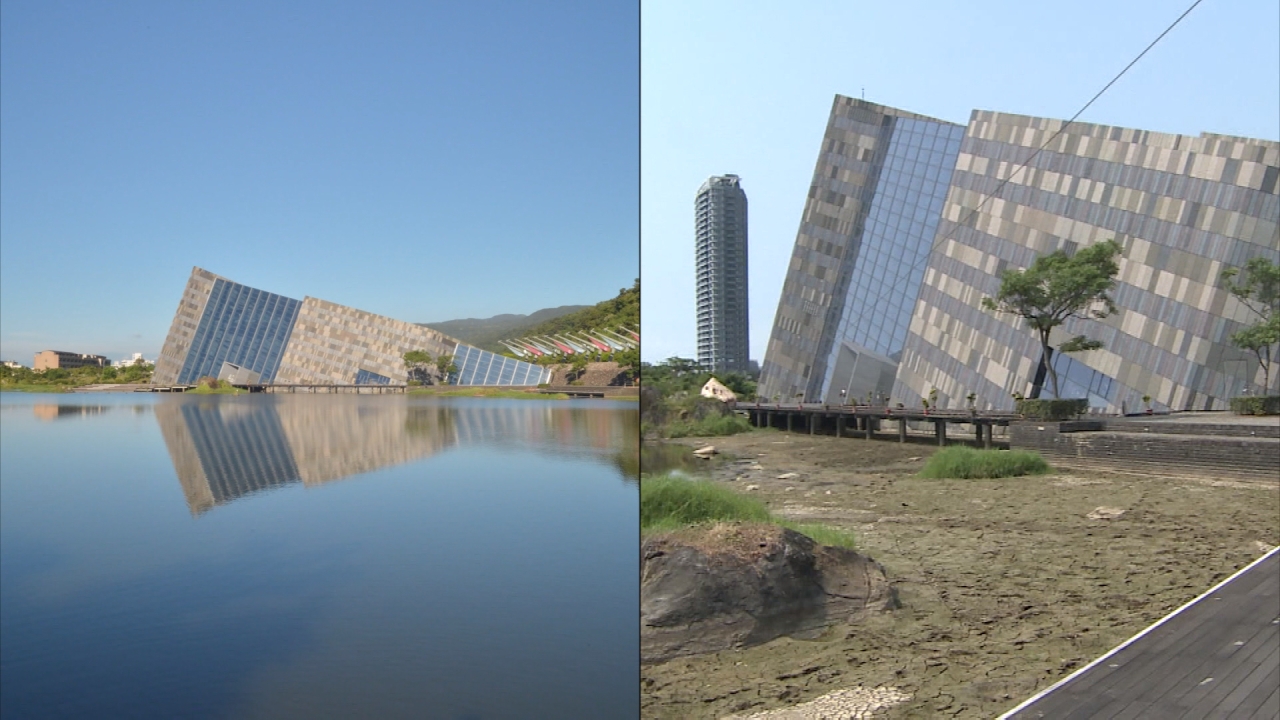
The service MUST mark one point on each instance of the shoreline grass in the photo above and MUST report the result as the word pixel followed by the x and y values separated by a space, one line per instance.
pixel 669 502
pixel 717 426
pixel 966 463
pixel 35 388
pixel 222 389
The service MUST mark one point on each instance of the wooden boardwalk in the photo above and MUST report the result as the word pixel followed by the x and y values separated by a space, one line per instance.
pixel 1218 656
pixel 866 420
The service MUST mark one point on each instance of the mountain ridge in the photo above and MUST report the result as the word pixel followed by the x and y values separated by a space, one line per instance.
pixel 485 333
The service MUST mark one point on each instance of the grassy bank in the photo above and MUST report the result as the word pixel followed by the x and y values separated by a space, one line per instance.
pixel 61 380
pixel 964 463
pixel 669 503
pixel 488 392
pixel 222 389
pixel 28 387
pixel 713 426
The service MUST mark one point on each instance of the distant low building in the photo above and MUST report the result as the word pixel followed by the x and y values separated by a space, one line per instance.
pixel 716 389
pixel 55 359
pixel 12 364
pixel 136 359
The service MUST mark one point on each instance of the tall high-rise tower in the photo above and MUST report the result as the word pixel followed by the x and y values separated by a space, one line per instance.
pixel 720 213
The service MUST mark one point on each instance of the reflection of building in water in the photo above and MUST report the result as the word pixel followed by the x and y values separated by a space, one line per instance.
pixel 53 411
pixel 601 431
pixel 540 425
pixel 225 450
pixel 332 441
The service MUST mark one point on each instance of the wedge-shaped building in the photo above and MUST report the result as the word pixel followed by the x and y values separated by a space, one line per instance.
pixel 230 331
pixel 873 207
pixel 1183 208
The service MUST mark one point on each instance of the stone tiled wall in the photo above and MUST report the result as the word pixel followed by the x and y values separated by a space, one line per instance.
pixel 183 328
pixel 1183 208
pixel 185 458
pixel 331 343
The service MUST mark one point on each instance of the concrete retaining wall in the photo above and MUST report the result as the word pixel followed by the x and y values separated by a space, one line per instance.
pixel 1218 450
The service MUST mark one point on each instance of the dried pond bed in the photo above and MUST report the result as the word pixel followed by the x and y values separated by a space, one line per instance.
pixel 1007 585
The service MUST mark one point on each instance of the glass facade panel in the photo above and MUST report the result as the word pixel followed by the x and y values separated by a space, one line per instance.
pixel 895 246
pixel 480 367
pixel 242 326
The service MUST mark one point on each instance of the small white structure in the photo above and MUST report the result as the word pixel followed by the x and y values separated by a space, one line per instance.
pixel 137 359
pixel 237 375
pixel 13 364
pixel 716 389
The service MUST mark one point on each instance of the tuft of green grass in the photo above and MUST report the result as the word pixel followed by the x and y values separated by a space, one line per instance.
pixel 222 389
pixel 718 426
pixel 823 534
pixel 669 502
pixel 959 461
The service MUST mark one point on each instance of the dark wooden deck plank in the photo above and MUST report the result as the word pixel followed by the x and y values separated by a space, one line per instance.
pixel 1269 709
pixel 1253 694
pixel 1188 673
pixel 1218 656
pixel 1238 684
pixel 1156 672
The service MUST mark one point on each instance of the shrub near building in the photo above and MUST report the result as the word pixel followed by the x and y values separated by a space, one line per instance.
pixel 1258 290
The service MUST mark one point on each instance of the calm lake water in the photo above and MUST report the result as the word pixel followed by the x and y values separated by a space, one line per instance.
pixel 324 556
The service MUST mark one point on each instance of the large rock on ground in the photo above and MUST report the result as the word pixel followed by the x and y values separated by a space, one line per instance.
pixel 735 585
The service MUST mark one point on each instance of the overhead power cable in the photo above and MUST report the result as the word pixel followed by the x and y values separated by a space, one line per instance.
pixel 1068 123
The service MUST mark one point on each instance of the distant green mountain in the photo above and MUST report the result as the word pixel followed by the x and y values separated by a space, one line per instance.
pixel 623 310
pixel 485 333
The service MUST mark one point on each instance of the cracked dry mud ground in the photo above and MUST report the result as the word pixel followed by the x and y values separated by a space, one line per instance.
pixel 1007 586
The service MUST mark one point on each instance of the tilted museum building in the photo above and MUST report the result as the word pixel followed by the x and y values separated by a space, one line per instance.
pixel 1182 208
pixel 231 331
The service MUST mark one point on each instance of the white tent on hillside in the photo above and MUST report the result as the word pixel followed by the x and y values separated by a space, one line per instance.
pixel 716 389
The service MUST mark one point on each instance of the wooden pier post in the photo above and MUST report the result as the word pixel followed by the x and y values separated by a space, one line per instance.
pixel 902 429
pixel 839 425
pixel 940 428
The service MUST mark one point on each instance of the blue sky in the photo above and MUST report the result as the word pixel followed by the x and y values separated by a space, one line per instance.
pixel 426 161
pixel 746 87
